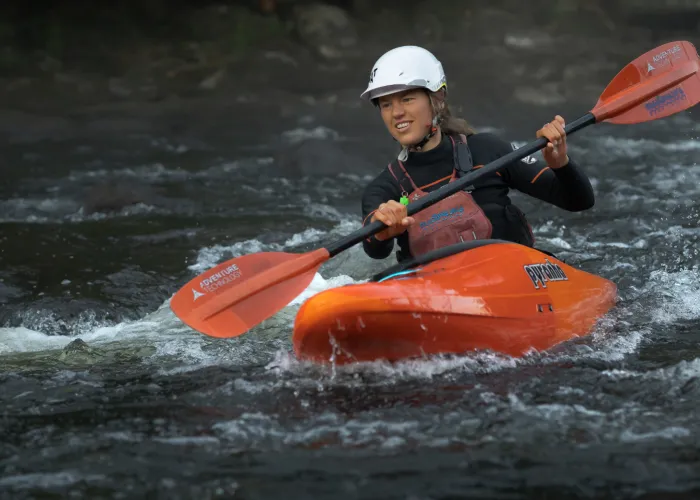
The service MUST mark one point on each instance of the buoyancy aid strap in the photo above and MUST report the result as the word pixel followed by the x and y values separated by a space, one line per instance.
pixel 404 175
pixel 391 171
pixel 462 156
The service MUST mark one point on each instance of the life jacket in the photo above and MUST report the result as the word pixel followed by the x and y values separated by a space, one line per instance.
pixel 452 220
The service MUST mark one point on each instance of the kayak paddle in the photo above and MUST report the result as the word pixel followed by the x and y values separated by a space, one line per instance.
pixel 231 298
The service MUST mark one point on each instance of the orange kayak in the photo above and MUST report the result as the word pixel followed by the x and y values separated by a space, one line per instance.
pixel 480 295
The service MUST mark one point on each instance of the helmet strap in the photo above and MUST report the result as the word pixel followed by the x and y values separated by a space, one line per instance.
pixel 433 130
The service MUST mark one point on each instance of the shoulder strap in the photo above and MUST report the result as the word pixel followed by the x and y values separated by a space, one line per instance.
pixel 463 156
pixel 404 176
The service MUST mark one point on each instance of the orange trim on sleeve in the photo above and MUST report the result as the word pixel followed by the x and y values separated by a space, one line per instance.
pixel 538 175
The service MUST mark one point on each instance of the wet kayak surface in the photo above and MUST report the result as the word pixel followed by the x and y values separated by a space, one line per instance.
pixel 105 394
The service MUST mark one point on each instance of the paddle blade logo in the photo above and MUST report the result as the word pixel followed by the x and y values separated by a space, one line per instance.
pixel 660 103
pixel 665 57
pixel 219 279
pixel 540 274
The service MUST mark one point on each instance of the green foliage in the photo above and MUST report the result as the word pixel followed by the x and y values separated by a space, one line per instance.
pixel 235 28
pixel 95 34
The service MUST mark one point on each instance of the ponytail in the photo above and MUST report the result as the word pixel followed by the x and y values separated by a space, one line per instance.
pixel 450 125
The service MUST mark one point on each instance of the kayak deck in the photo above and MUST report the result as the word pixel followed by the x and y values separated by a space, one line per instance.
pixel 497 296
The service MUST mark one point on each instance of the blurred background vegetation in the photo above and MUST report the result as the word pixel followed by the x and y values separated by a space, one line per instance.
pixel 109 36
pixel 66 54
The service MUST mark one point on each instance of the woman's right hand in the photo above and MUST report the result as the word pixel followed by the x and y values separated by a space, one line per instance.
pixel 395 215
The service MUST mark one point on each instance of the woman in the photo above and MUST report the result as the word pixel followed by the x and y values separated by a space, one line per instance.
pixel 408 86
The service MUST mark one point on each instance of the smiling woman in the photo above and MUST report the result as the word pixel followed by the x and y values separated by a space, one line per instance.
pixel 409 87
pixel 424 108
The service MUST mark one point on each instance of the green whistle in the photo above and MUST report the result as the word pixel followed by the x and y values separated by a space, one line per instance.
pixel 404 200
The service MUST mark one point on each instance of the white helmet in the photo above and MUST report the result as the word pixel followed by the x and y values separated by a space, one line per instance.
pixel 404 68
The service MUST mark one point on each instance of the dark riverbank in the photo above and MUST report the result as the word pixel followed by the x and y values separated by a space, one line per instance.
pixel 229 75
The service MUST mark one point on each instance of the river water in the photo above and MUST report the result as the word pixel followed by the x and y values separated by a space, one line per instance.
pixel 147 407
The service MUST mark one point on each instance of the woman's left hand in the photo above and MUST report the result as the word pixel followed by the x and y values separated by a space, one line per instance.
pixel 555 152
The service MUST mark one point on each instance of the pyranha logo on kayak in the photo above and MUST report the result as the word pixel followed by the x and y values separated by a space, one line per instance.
pixel 221 278
pixel 659 103
pixel 442 217
pixel 541 273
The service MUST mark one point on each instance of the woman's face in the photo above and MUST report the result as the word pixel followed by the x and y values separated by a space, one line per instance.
pixel 408 115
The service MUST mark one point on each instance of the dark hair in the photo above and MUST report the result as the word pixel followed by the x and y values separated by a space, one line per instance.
pixel 450 125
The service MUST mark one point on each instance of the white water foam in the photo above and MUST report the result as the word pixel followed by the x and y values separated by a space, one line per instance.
pixel 209 257
pixel 634 148
pixel 630 422
pixel 301 134
pixel 160 336
pixel 602 345
pixel 319 284
pixel 150 173
pixel 21 339
pixel 327 429
pixel 34 210
pixel 46 480
pixel 25 340
pixel 160 329
pixel 60 210
pixel 678 374
pixel 171 337
pixel 157 172
pixel 678 293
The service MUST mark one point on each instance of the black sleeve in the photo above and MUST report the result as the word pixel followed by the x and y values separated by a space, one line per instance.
pixel 567 187
pixel 382 189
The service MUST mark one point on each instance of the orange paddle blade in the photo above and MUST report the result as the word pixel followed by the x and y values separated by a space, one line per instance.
pixel 657 84
pixel 231 298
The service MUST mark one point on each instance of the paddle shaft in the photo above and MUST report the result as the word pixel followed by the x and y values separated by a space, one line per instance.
pixel 458 185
